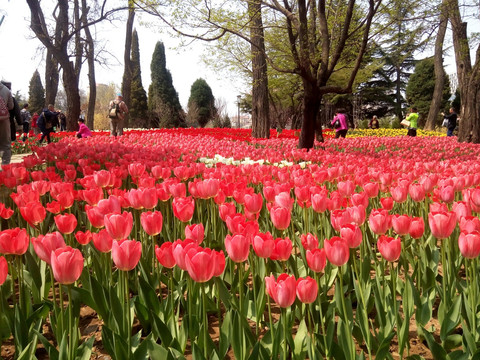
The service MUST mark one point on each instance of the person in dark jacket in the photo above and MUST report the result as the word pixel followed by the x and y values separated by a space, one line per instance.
pixel 46 121
pixel 15 115
pixel 452 121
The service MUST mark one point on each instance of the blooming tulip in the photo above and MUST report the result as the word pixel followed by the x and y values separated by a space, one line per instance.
pixel 183 208
pixel 34 213
pixel 44 245
pixel 14 241
pixel 309 241
pixel 3 270
pixel 284 200
pixel 66 224
pixel 352 234
pixel 442 224
pixel 316 259
pixel 83 238
pixel 416 192
pixel 263 244
pixel 67 265
pixel 164 254
pixel 337 250
pixel 280 217
pixel 220 262
pixel 237 247
pixel 469 224
pixel 469 244
pixel 119 226
pixel 5 213
pixel 461 209
pixel 387 203
pixel 102 241
pixel 201 264
pixel 379 221
pixel 179 251
pixel 282 249
pixel 282 290
pixel 399 194
pixel 253 202
pixel 389 247
pixel 152 222
pixel 401 224
pixel 307 290
pixel 126 254
pixel 417 227
pixel 196 232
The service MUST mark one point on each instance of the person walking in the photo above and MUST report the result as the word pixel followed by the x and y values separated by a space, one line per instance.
pixel 117 110
pixel 15 115
pixel 46 121
pixel 340 123
pixel 452 121
pixel 6 104
pixel 26 117
pixel 412 118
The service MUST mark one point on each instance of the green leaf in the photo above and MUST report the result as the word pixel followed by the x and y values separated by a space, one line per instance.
pixel 85 350
pixel 148 296
pixel 51 350
pixel 301 340
pixel 225 335
pixel 197 352
pixel 63 349
pixel 437 350
pixel 451 319
pixel 383 351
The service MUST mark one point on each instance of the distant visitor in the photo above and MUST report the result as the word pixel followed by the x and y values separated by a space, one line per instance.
pixel 116 112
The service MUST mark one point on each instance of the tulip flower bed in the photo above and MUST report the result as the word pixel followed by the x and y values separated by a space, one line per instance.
pixel 197 244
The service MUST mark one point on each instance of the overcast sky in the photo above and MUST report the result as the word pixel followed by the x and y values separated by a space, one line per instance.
pixel 19 58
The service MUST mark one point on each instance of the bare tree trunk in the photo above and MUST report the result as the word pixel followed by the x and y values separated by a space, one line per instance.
pixel 260 105
pixel 311 104
pixel 90 54
pixel 128 72
pixel 439 72
pixel 51 78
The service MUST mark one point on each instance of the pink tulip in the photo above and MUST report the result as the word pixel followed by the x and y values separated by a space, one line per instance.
pixel 196 232
pixel 201 264
pixel 282 249
pixel 34 213
pixel 67 265
pixel 126 254
pixel 339 218
pixel 14 241
pixel 263 244
pixel 469 224
pixel 399 194
pixel 3 270
pixel 179 251
pixel 253 202
pixel 282 290
pixel 83 238
pixel 102 241
pixel 183 208
pixel 152 222
pixel 316 259
pixel 237 247
pixel 352 234
pixel 319 202
pixel 371 189
pixel 280 217
pixel 164 255
pixel 284 200
pixel 387 203
pixel 469 244
pixel 461 209
pixel 337 250
pixel 66 223
pixel 309 241
pixel 401 224
pixel 227 209
pixel 379 221
pixel 389 247
pixel 44 245
pixel 119 226
pixel 417 227
pixel 346 188
pixel 416 192
pixel 442 224
pixel 307 290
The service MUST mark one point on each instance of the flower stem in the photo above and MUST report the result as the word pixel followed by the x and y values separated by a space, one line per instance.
pixel 344 308
pixel 72 330
pixel 322 323
pixel 284 315
pixel 205 321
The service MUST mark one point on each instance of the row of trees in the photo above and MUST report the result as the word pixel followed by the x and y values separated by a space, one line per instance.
pixel 298 54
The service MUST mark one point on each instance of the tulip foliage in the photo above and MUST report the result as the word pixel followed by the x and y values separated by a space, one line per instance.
pixel 330 253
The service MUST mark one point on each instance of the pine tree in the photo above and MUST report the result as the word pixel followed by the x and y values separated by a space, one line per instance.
pixel 138 100
pixel 36 94
pixel 202 99
pixel 163 100
pixel 420 88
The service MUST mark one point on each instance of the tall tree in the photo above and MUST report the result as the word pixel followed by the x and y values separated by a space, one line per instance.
pixel 468 77
pixel 202 102
pixel 127 72
pixel 90 55
pixel 36 93
pixel 163 101
pixel 260 104
pixel 60 43
pixel 138 99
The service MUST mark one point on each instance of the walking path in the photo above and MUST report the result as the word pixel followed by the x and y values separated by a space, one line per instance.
pixel 18 158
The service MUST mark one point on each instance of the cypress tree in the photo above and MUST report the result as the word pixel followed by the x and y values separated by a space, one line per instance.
pixel 36 94
pixel 163 100
pixel 202 99
pixel 138 100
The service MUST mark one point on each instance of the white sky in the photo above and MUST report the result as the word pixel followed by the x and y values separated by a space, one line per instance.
pixel 19 58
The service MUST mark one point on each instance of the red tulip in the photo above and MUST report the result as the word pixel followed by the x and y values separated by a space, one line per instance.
pixel 371 189
pixel 469 244
pixel 282 250
pixel 438 207
pixel 253 202
pixel 319 202
pixel 178 190
pixel 284 200
pixel 136 170
pixel 201 264
pixel 417 227
pixel 227 209
pixel 416 192
pixel 237 247
pixel 91 196
pixel 102 178
pixel 164 255
pixel 461 209
pixel 263 244
pixel 352 234
pixel 152 222
pixel 67 265
pixel 309 241
pixel 337 250
pixel 358 214
pixel 346 188
pixel 280 217
pixel 83 238
pixel 5 213
pixel 66 224
pixel 379 221
pixel 183 208
pixel 282 290
pixel 401 224
pixel 316 259
pixel 44 245
pixel 196 232
pixel 446 193
pixel 126 254
pixel 208 188
pixel 302 193
pixel 442 224
pixel 220 263
pixel 66 199
pixel 3 270
pixel 34 213
pixel 102 241
pixel 389 247
pixel 387 203
pixel 399 193
pixel 307 290
pixel 179 251
pixel 339 218
pixel 118 226
pixel 360 199
pixel 469 224
pixel 14 241
pixel 145 198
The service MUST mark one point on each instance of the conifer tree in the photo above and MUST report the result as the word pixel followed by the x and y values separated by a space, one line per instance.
pixel 202 99
pixel 163 101
pixel 138 100
pixel 36 94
